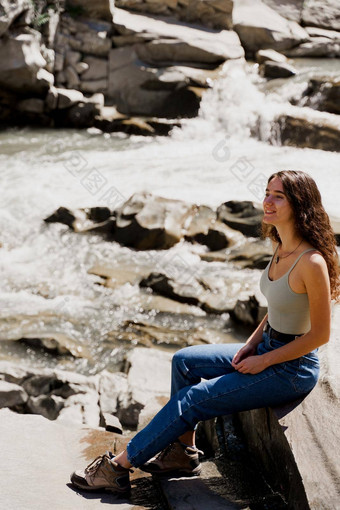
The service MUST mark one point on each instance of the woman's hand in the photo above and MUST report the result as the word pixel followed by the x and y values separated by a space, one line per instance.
pixel 251 364
pixel 244 352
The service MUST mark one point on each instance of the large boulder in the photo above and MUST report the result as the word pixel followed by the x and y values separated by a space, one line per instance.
pixel 214 45
pixel 14 13
pixel 323 93
pixel 322 13
pixel 297 444
pixel 260 27
pixel 22 65
pixel 100 9
pixel 316 47
pixel 310 129
pixel 210 13
pixel 242 216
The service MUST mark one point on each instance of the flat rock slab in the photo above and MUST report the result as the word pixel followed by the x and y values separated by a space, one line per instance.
pixel 40 455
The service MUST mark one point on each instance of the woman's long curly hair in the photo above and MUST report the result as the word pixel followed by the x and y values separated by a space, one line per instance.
pixel 311 220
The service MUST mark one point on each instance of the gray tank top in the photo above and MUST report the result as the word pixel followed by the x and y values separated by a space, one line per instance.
pixel 288 311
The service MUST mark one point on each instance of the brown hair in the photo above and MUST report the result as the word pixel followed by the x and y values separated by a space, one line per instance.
pixel 311 221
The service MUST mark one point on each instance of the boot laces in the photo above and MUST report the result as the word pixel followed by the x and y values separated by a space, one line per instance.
pixel 94 465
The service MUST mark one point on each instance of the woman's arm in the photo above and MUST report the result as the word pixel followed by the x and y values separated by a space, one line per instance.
pixel 249 348
pixel 316 280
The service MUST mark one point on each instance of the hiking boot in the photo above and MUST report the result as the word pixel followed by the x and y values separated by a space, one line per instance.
pixel 103 474
pixel 176 459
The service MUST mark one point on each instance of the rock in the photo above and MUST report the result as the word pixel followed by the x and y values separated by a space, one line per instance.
pixel 213 46
pixel 286 440
pixel 112 387
pixel 149 373
pixel 31 105
pixel 91 42
pixel 60 99
pixel 47 406
pixel 79 116
pixel 81 67
pixel 321 32
pixel 249 310
pixel 242 216
pixel 210 13
pixel 315 47
pixel 253 255
pixel 21 65
pixel 57 344
pixel 81 409
pixel 72 78
pixel 93 86
pixel 97 69
pixel 289 9
pixel 148 222
pixel 11 12
pixel 323 94
pixel 265 30
pixel 277 70
pixel 62 215
pixel 14 373
pixel 322 13
pixel 72 58
pixel 101 9
pixel 310 129
pixel 272 55
pixel 11 394
pixel 111 423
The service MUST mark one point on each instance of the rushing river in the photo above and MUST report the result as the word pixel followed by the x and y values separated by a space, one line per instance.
pixel 45 284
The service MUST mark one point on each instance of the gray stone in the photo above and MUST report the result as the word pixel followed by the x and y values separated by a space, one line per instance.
pixel 59 62
pixel 93 86
pixel 10 12
pixel 265 30
pixel 72 58
pixel 31 105
pixel 72 77
pixel 310 129
pixel 11 394
pixel 323 94
pixel 242 216
pixel 57 344
pixel 111 388
pixel 322 13
pixel 111 423
pixel 296 444
pixel 47 406
pixel 274 56
pixel 316 47
pixel 277 70
pixel 81 67
pixel 97 68
pixel 100 9
pixel 21 65
pixel 81 409
pixel 90 42
pixel 249 309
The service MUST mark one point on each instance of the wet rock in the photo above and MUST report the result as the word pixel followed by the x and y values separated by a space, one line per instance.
pixel 323 94
pixel 101 9
pixel 272 55
pixel 22 65
pixel 265 30
pixel 14 13
pixel 31 105
pixel 307 130
pixel 322 13
pixel 253 255
pixel 315 47
pixel 81 409
pixel 112 387
pixel 242 216
pixel 97 69
pixel 277 70
pixel 116 276
pixel 148 222
pixel 11 394
pixel 57 344
pixel 62 215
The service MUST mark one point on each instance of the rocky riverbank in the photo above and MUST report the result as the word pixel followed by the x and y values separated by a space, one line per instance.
pixel 140 66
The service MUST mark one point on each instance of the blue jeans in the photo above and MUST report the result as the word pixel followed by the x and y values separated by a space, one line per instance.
pixel 224 390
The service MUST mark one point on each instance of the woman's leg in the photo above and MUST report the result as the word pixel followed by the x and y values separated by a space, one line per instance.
pixel 223 394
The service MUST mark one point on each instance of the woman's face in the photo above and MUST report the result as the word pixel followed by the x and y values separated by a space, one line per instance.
pixel 277 209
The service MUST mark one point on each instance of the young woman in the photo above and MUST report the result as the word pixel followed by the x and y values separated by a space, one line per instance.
pixel 276 365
